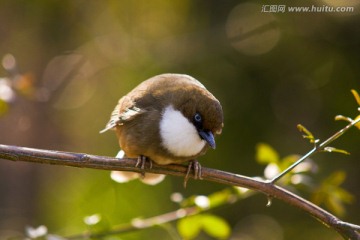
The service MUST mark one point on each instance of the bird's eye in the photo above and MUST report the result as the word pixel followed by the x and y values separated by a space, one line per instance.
pixel 197 118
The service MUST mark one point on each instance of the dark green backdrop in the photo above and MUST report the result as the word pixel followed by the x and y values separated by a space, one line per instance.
pixel 271 70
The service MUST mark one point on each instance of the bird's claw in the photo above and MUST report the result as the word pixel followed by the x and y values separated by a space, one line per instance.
pixel 141 161
pixel 193 164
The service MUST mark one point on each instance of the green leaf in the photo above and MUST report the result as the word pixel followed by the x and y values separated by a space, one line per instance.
pixel 266 154
pixel 288 160
pixel 357 99
pixel 332 149
pixel 220 197
pixel 332 195
pixel 343 118
pixel 189 227
pixel 335 205
pixel 307 133
pixel 336 178
pixel 347 119
pixel 215 226
pixel 318 197
pixel 344 195
pixel 336 198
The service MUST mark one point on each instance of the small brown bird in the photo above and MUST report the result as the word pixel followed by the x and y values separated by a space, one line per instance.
pixel 169 118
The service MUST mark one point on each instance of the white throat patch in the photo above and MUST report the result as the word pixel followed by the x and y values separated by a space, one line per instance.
pixel 178 135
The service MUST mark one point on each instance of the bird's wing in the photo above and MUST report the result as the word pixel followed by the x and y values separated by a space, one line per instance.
pixel 124 111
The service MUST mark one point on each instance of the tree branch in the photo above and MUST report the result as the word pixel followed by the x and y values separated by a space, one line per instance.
pixel 81 160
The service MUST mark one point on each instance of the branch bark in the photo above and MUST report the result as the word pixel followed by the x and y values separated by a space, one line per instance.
pixel 82 160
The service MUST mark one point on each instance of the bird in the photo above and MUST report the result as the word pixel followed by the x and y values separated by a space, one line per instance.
pixel 167 119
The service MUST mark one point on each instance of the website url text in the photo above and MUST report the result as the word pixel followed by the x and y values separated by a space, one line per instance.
pixel 305 9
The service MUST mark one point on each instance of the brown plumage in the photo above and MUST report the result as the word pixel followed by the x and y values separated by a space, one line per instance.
pixel 148 123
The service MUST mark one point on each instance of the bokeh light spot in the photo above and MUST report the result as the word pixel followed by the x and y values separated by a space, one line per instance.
pixel 250 31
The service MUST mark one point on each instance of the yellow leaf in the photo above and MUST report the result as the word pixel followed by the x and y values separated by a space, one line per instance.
pixel 189 227
pixel 307 133
pixel 215 226
pixel 336 178
pixel 356 96
pixel 266 154
pixel 335 205
pixel 358 124
pixel 332 149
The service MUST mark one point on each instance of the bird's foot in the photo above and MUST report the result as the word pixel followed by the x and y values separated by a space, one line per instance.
pixel 195 165
pixel 141 161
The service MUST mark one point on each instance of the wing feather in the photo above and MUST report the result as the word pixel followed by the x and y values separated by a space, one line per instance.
pixel 124 111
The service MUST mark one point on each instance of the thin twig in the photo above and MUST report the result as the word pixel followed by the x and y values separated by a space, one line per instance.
pixel 138 224
pixel 82 160
pixel 316 149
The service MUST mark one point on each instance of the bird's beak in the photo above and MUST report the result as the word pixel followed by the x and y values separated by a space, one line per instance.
pixel 208 136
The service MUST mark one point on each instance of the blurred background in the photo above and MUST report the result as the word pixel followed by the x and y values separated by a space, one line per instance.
pixel 65 64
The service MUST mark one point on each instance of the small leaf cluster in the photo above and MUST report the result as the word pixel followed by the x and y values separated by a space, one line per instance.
pixel 356 120
pixel 214 226
pixel 268 156
pixel 328 192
